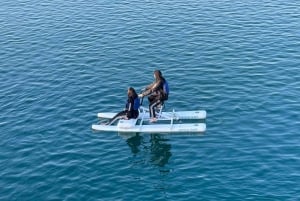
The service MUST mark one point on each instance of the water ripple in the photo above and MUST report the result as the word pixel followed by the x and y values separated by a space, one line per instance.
pixel 60 65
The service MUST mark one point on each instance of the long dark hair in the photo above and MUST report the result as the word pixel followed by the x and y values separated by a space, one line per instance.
pixel 158 75
pixel 132 92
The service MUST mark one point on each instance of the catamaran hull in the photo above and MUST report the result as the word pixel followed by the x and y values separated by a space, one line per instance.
pixel 154 128
pixel 198 114
pixel 161 126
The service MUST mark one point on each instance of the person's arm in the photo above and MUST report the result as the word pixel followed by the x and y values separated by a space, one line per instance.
pixel 156 85
pixel 151 88
pixel 147 90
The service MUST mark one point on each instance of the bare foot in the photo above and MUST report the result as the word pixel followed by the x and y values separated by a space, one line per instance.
pixel 152 120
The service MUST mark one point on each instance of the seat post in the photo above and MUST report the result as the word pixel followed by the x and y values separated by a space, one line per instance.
pixel 160 109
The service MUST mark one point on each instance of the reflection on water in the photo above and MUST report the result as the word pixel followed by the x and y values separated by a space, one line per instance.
pixel 154 148
pixel 134 143
pixel 160 150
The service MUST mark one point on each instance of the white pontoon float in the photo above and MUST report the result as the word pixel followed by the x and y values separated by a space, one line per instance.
pixel 167 122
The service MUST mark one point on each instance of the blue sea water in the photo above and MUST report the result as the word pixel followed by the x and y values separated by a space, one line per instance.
pixel 61 62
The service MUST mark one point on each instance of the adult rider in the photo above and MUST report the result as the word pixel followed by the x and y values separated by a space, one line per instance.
pixel 155 93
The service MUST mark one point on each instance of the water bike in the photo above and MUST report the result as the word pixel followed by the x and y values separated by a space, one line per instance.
pixel 167 122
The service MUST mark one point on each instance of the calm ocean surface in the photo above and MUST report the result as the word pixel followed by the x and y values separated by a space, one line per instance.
pixel 62 62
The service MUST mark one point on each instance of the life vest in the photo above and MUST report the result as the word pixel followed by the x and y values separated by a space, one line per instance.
pixel 136 104
pixel 166 90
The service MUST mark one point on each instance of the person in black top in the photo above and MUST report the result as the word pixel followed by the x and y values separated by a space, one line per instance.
pixel 155 93
pixel 131 110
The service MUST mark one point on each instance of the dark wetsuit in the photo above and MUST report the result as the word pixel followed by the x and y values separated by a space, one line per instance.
pixel 132 107
pixel 131 111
